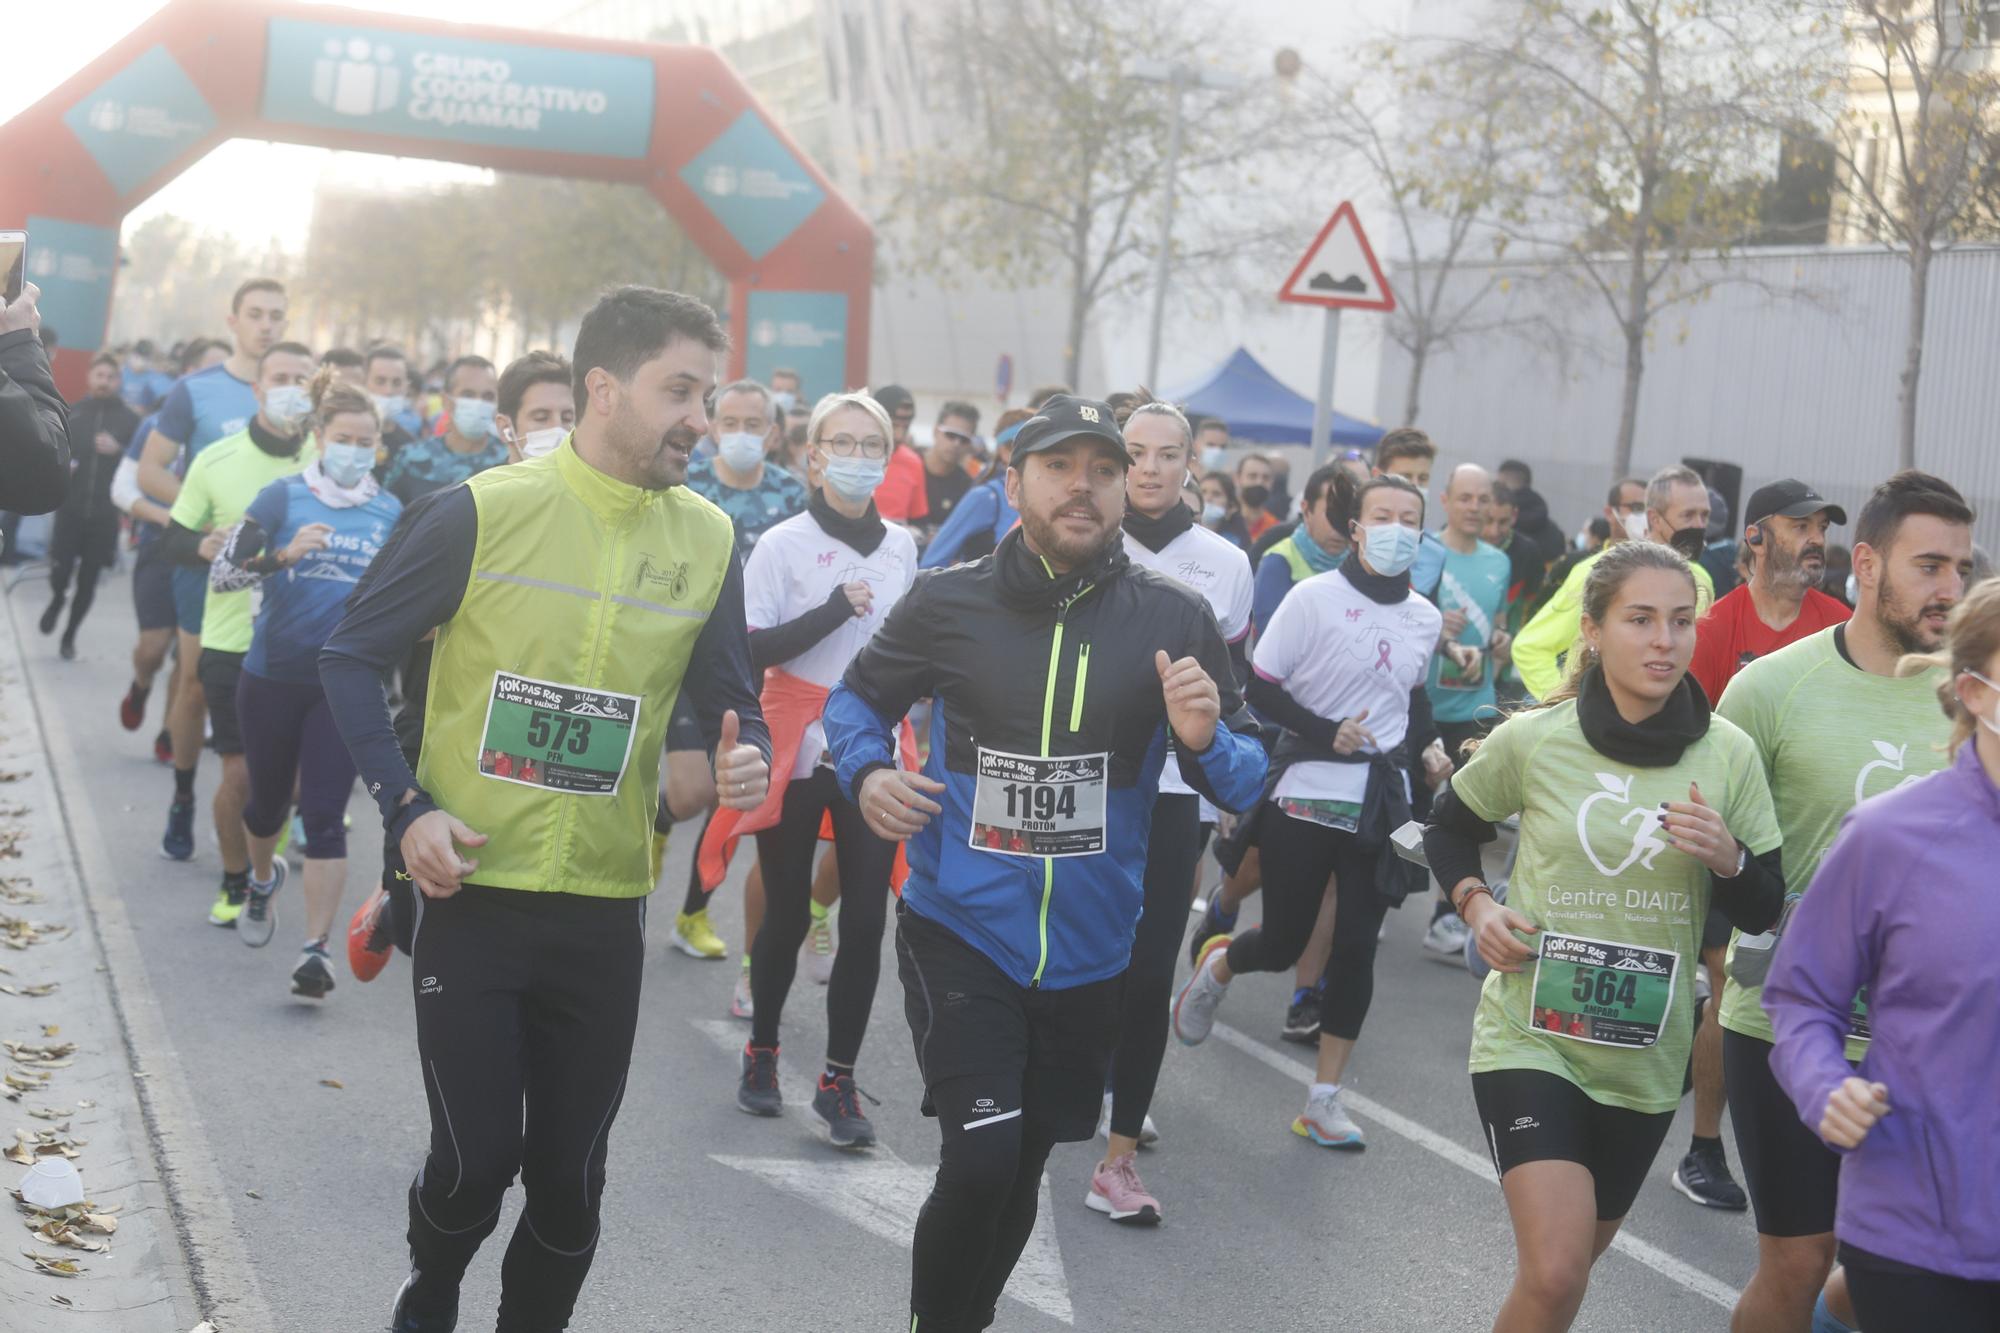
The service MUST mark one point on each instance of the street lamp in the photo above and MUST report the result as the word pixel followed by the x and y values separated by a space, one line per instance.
pixel 1179 79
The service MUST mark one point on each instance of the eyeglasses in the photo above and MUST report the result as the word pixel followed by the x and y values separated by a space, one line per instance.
pixel 846 446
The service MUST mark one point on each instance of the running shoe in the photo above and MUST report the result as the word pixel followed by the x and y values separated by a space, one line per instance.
pixel 68 647
pixel 694 937
pixel 260 917
pixel 1212 923
pixel 228 906
pixel 817 951
pixel 1446 938
pixel 740 1004
pixel 163 747
pixel 1825 1321
pixel 1703 1176
pixel 177 843
pixel 1195 1002
pixel 53 616
pixel 369 938
pixel 1117 1192
pixel 313 977
pixel 1302 1018
pixel 757 1088
pixel 132 708
pixel 1327 1123
pixel 421 1310
pixel 838 1105
pixel 1149 1133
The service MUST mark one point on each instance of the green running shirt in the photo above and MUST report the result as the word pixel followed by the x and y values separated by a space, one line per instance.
pixel 1595 863
pixel 221 482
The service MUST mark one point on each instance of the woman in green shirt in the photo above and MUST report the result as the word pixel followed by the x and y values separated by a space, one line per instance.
pixel 1638 808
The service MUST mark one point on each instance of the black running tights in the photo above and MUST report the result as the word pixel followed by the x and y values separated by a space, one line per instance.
pixel 1172 849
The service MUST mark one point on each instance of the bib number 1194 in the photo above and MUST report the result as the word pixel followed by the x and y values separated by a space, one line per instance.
pixel 1029 805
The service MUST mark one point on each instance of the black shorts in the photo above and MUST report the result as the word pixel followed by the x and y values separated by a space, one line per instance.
pixel 968 1018
pixel 683 732
pixel 1793 1179
pixel 1714 931
pixel 153 593
pixel 218 673
pixel 1533 1116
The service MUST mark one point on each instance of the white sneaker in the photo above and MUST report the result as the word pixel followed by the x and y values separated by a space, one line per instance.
pixel 1446 938
pixel 817 951
pixel 1327 1123
pixel 1196 1001
pixel 1149 1133
pixel 740 1005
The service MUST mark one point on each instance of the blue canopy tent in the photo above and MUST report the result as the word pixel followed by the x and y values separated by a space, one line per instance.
pixel 1260 409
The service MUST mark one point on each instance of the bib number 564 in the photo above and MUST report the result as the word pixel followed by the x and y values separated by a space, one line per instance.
pixel 1605 988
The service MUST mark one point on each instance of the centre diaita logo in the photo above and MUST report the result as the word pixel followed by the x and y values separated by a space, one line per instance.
pixel 1646 841
pixel 1891 761
pixel 358 77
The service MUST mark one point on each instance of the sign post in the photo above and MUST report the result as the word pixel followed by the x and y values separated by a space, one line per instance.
pixel 1337 272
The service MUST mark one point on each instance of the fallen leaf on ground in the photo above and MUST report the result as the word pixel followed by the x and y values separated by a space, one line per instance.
pixel 55 1267
pixel 51 1112
pixel 331 1083
pixel 253 1194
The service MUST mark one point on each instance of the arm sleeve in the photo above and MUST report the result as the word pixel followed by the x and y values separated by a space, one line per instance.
pixel 1829 951
pixel 180 545
pixel 1452 840
pixel 976 512
pixel 1423 725
pixel 1753 900
pixel 125 484
pixel 1270 700
pixel 890 673
pixel 781 643
pixel 1230 772
pixel 252 549
pixel 414 585
pixel 1544 640
pixel 719 675
pixel 1274 580
pixel 34 428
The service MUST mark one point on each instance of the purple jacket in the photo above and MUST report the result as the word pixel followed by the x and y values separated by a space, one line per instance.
pixel 1906 904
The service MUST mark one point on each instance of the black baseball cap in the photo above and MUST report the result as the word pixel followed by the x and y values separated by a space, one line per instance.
pixel 1789 499
pixel 894 396
pixel 1066 417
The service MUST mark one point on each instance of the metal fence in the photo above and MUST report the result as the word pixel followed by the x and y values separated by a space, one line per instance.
pixel 1788 367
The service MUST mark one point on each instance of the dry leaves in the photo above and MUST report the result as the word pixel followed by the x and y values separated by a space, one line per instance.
pixel 41 1054
pixel 331 1083
pixel 18 932
pixel 35 992
pixel 32 1143
pixel 17 892
pixel 54 1267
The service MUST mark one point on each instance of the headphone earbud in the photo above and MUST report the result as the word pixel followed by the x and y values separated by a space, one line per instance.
pixel 1756 537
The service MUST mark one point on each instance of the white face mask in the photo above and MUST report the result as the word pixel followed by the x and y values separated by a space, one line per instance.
pixel 391 404
pixel 538 442
pixel 741 449
pixel 1983 720
pixel 1212 514
pixel 287 405
pixel 1636 527
pixel 472 418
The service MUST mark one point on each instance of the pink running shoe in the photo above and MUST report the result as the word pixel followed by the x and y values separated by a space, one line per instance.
pixel 1116 1191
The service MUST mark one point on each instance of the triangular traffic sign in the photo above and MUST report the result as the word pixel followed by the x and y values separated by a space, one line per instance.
pixel 1339 269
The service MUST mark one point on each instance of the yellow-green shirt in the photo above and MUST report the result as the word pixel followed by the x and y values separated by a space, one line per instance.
pixel 220 484
pixel 1546 640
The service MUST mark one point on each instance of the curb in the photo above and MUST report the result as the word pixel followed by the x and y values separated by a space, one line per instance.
pixel 198 1250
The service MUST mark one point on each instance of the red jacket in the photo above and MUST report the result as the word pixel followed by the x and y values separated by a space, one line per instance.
pixel 902 498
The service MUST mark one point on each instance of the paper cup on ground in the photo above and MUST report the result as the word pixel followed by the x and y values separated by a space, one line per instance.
pixel 52 1182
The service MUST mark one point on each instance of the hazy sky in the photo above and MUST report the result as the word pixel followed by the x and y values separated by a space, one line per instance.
pixel 252 188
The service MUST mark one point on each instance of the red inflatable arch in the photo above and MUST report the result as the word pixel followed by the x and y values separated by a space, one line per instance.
pixel 673 119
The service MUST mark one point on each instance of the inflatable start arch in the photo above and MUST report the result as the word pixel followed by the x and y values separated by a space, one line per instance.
pixel 673 119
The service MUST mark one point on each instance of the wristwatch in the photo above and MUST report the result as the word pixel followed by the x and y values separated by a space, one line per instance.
pixel 1742 859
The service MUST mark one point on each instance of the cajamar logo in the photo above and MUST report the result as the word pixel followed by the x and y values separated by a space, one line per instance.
pixel 672 577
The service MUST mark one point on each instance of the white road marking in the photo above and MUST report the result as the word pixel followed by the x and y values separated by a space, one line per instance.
pixel 1655 1258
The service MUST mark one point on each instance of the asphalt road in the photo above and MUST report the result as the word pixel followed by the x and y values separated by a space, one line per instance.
pixel 716 1219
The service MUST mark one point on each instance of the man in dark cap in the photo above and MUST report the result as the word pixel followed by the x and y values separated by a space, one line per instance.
pixel 1780 602
pixel 901 497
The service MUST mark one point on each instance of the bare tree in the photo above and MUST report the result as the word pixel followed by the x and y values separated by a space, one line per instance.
pixel 1065 150
pixel 1909 94
pixel 1638 127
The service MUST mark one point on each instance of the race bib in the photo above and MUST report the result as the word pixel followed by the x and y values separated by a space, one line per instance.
pixel 1025 806
pixel 1342 815
pixel 1857 1017
pixel 1601 992
pixel 560 737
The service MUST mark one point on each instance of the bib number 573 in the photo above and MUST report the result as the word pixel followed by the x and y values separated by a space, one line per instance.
pixel 557 731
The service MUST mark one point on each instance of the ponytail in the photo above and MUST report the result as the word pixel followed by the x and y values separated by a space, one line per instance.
pixel 333 396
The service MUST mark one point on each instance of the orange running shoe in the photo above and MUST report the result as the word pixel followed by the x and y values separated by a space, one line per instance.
pixel 369 941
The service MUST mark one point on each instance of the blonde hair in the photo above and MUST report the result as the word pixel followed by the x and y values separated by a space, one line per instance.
pixel 834 402
pixel 1972 637
pixel 333 396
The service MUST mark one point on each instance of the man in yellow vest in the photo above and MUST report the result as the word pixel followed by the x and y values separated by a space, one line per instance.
pixel 573 596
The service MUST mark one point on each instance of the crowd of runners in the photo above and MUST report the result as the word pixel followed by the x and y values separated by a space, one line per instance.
pixel 1047 699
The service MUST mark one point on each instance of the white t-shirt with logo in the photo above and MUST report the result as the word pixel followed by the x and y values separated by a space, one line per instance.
pixel 793 570
pixel 1216 568
pixel 1336 653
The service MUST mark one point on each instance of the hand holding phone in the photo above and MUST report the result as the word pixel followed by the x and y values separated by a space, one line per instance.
pixel 17 294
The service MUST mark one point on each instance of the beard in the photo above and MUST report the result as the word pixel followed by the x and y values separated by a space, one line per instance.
pixel 1905 622
pixel 1068 549
pixel 656 462
pixel 1792 572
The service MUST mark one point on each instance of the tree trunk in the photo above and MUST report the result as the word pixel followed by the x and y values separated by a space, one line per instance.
pixel 1420 352
pixel 1079 296
pixel 1913 356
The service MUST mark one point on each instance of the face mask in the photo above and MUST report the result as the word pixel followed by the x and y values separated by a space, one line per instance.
pixel 346 464
pixel 286 406
pixel 741 450
pixel 391 404
pixel 538 442
pixel 1213 514
pixel 1690 542
pixel 1390 548
pixel 855 479
pixel 1635 526
pixel 784 399
pixel 1984 720
pixel 1255 496
pixel 1212 459
pixel 471 418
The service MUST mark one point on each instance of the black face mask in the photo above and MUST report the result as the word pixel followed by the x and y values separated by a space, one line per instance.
pixel 1690 542
pixel 1254 497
